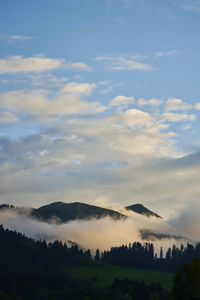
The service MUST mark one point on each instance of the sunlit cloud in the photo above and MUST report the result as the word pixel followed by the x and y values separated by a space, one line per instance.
pixel 177 104
pixel 41 104
pixel 16 64
pixel 79 88
pixel 78 66
pixel 122 100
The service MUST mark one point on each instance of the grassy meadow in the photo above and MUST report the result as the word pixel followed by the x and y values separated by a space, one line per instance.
pixel 105 274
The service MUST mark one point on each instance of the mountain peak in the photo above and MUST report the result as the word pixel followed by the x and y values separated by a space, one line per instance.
pixel 72 211
pixel 142 210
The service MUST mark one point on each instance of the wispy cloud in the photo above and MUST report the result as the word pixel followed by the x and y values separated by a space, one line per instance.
pixel 175 117
pixel 120 21
pixel 14 37
pixel 151 102
pixel 46 80
pixel 166 53
pixel 122 63
pixel 190 5
pixel 8 117
pixel 110 88
pixel 195 8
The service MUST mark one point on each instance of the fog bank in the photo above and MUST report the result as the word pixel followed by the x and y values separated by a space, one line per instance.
pixel 106 232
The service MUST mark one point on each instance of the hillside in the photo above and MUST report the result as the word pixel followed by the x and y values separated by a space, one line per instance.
pixel 142 210
pixel 65 212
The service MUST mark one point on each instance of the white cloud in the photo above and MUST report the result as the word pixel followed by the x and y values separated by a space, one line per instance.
pixel 151 102
pixel 14 64
pixel 42 105
pixel 78 66
pixel 137 118
pixel 36 64
pixel 166 53
pixel 122 100
pixel 122 63
pixel 79 88
pixel 172 117
pixel 177 104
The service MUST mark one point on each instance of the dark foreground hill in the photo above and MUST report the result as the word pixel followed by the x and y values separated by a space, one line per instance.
pixel 142 210
pixel 64 212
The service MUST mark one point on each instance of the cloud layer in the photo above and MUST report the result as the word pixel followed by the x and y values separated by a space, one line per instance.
pixel 88 234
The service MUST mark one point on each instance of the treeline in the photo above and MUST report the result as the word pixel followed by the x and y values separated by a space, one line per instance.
pixel 36 270
pixel 18 250
pixel 29 268
pixel 143 256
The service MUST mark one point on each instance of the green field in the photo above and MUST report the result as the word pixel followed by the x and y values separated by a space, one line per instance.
pixel 105 274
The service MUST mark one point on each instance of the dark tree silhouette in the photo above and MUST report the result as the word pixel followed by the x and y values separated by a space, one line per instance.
pixel 187 282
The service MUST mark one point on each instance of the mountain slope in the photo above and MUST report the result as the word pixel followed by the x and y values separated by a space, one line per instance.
pixel 140 209
pixel 65 212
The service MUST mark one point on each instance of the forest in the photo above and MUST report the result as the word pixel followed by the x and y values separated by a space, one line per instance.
pixel 32 269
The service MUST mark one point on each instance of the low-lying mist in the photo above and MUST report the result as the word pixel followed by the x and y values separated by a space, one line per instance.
pixel 106 232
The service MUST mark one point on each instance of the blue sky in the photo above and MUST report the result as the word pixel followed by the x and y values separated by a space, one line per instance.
pixel 100 102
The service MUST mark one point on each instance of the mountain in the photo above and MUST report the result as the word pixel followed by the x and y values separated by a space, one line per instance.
pixel 64 212
pixel 140 209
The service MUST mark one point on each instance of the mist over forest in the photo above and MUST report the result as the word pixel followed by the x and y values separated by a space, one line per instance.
pixel 106 232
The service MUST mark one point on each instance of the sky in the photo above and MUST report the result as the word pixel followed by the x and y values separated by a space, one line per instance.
pixel 100 103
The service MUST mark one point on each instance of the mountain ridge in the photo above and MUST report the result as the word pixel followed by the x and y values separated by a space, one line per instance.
pixel 62 212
